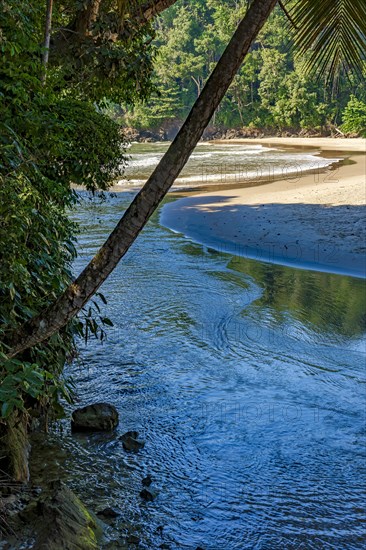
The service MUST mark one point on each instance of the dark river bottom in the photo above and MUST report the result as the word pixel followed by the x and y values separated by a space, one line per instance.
pixel 247 382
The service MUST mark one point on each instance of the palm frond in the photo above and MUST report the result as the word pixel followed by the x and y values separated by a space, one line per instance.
pixel 331 34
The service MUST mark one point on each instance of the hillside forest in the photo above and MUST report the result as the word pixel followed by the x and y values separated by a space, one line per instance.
pixel 273 91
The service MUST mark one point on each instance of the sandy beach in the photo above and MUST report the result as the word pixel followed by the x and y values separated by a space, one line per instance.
pixel 308 220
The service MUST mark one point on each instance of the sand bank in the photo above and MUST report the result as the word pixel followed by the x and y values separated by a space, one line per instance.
pixel 312 220
pixel 326 144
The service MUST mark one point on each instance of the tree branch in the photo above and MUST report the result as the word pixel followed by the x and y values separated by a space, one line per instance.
pixel 149 10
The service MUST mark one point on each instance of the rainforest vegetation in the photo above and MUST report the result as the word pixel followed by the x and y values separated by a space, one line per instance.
pixel 272 91
pixel 53 134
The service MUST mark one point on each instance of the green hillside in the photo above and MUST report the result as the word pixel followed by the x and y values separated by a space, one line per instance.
pixel 272 90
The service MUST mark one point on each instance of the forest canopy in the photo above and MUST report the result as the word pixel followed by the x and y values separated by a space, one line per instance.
pixel 273 90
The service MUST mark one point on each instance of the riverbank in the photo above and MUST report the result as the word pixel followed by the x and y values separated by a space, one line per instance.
pixel 322 143
pixel 309 220
pixel 169 130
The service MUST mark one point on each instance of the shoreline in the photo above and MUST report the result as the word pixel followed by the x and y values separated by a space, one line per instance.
pixel 321 143
pixel 314 221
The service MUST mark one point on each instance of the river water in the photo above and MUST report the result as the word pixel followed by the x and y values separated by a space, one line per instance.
pixel 222 164
pixel 247 382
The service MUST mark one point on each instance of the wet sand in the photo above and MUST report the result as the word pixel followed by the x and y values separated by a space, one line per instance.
pixel 312 220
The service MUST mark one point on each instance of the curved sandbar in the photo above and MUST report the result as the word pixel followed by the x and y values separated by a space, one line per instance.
pixel 313 220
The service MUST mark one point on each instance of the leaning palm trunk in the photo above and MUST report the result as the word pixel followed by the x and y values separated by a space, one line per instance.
pixel 146 201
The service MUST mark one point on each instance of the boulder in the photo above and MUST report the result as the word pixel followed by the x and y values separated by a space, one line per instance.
pixel 109 512
pixel 133 539
pixel 63 522
pixel 94 418
pixel 147 481
pixel 131 442
pixel 148 494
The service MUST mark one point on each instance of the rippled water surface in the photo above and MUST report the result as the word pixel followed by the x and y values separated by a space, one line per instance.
pixel 226 163
pixel 247 382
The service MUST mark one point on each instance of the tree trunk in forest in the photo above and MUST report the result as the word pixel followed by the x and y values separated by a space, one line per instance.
pixel 80 27
pixel 146 201
pixel 86 17
pixel 47 38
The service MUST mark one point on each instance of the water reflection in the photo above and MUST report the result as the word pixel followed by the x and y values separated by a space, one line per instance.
pixel 327 302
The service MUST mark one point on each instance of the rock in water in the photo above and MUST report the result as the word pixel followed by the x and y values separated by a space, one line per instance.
pixel 131 442
pixel 133 539
pixel 132 434
pixel 109 512
pixel 94 418
pixel 147 481
pixel 148 494
pixel 63 522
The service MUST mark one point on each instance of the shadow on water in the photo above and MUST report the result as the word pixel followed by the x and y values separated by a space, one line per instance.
pixel 325 302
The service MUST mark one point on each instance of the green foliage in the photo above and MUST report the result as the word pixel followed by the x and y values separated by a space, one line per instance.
pixel 36 240
pixel 76 143
pixel 273 89
pixel 51 137
pixel 354 117
pixel 114 59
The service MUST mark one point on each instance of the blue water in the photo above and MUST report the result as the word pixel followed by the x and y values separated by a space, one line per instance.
pixel 247 381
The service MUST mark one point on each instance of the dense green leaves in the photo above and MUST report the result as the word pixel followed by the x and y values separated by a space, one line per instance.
pixel 273 90
pixel 51 137
pixel 354 117
pixel 110 56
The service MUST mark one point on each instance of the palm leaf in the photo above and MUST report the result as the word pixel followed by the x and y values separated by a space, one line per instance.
pixel 331 34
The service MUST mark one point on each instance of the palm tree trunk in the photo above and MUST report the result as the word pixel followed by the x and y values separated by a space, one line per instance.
pixel 146 201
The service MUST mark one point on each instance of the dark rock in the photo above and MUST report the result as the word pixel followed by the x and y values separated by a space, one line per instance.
pixel 165 546
pixel 132 539
pixel 64 522
pixel 147 481
pixel 131 442
pixel 115 544
pixel 96 417
pixel 108 513
pixel 148 494
pixel 132 434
